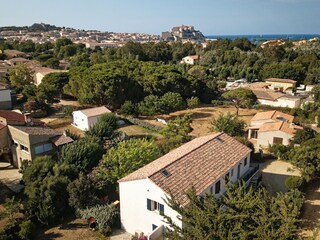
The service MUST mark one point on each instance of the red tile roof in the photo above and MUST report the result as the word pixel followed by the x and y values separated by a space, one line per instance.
pixel 90 112
pixel 12 116
pixel 61 140
pixel 280 126
pixel 198 163
pixel 274 115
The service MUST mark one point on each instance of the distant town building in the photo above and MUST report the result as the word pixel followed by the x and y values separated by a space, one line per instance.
pixel 193 59
pixel 39 73
pixel 183 33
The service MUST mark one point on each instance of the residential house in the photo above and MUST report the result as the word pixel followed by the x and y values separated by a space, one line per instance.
pixel 193 59
pixel 40 72
pixel 282 85
pixel 28 142
pixel 268 96
pixel 26 138
pixel 11 53
pixel 271 127
pixel 5 96
pixel 86 118
pixel 16 61
pixel 203 163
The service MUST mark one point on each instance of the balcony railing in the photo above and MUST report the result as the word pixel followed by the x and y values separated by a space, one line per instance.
pixel 250 173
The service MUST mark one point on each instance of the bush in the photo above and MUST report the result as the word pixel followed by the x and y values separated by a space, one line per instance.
pixel 216 102
pixel 294 182
pixel 106 216
pixel 280 151
pixel 143 124
pixel 193 102
pixel 129 108
pixel 26 230
pixel 229 124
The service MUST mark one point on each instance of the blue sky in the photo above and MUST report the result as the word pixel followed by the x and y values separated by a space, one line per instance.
pixel 154 16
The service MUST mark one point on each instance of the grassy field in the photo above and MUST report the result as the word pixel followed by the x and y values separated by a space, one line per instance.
pixel 203 116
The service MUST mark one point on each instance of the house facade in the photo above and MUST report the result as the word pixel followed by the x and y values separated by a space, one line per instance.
pixel 25 138
pixel 192 60
pixel 280 84
pixel 203 164
pixel 271 127
pixel 86 118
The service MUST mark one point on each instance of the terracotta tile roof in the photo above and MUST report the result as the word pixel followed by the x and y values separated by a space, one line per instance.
pixel 12 116
pixel 280 126
pixel 90 112
pixel 14 60
pixel 272 115
pixel 198 164
pixel 45 70
pixel 257 85
pixel 37 130
pixel 61 140
pixel 195 57
pixel 267 94
pixel 281 80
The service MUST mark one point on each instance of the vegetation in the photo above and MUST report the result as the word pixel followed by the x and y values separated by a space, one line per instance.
pixel 241 213
pixel 229 124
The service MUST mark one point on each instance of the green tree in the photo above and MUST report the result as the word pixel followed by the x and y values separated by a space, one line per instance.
pixel 171 102
pixel 303 135
pixel 240 213
pixel 82 192
pixel 83 154
pixel 179 128
pixel 129 108
pixel 315 92
pixel 229 124
pixel 313 76
pixel 127 157
pixel 21 76
pixel 241 97
pixel 104 128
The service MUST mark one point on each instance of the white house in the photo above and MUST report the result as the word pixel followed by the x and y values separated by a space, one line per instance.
pixel 40 72
pixel 271 127
pixel 84 119
pixel 193 59
pixel 202 163
pixel 5 96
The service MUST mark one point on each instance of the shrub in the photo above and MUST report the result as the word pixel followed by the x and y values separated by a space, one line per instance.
pixel 106 216
pixel 193 102
pixel 229 124
pixel 129 108
pixel 216 102
pixel 26 230
pixel 280 151
pixel 294 182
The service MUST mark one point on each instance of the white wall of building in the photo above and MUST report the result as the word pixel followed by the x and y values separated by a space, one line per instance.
pixel 5 95
pixel 80 120
pixel 266 138
pixel 38 78
pixel 134 215
pixel 281 102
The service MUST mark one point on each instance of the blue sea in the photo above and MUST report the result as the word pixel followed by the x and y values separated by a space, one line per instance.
pixel 263 37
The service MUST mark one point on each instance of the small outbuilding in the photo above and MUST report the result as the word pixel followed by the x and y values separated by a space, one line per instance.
pixel 86 118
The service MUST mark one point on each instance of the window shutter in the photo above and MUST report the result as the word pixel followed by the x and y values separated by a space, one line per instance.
pixel 148 204
pixel 161 209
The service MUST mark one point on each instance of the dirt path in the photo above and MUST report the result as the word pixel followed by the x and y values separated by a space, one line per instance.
pixel 311 210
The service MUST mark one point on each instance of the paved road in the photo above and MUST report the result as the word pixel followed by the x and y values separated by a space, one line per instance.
pixel 10 176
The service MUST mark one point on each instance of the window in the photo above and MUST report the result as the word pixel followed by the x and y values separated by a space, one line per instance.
pixel 245 161
pixel 24 148
pixel 154 227
pixel 155 206
pixel 277 140
pixel 217 187
pixel 43 148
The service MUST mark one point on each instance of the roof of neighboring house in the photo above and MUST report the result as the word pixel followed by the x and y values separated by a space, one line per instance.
pixel 257 85
pixel 45 70
pixel 281 80
pixel 4 85
pixel 275 115
pixel 198 164
pixel 267 94
pixel 12 116
pixel 13 60
pixel 61 140
pixel 195 57
pixel 12 52
pixel 90 112
pixel 279 126
pixel 37 130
